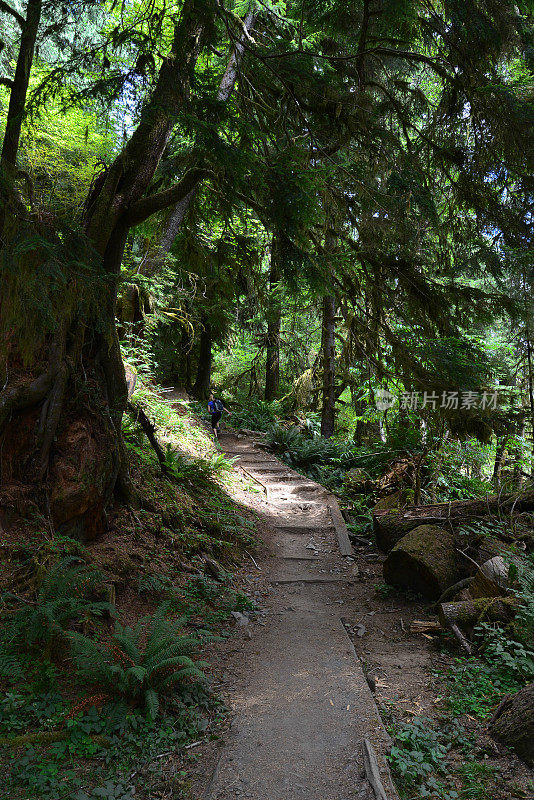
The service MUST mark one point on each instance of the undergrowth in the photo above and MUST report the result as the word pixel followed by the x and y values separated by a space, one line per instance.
pixel 419 757
pixel 99 693
pixel 433 758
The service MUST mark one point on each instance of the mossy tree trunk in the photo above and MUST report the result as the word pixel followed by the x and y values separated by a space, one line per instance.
pixel 62 406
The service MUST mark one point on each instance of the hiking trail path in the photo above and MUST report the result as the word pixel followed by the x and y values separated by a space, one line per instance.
pixel 303 708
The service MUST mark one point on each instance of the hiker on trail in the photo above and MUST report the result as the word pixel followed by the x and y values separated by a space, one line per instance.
pixel 216 408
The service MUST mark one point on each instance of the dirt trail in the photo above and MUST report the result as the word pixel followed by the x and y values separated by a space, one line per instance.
pixel 303 707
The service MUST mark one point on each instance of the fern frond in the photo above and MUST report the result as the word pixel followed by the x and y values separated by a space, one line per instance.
pixel 137 672
pixel 10 666
pixel 90 661
pixel 188 672
pixel 152 703
pixel 128 645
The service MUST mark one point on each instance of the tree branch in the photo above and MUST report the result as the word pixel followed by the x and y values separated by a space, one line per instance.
pixel 147 206
pixel 14 13
pixel 408 55
pixel 6 82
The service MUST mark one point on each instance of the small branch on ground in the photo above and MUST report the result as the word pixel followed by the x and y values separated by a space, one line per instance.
pixel 149 429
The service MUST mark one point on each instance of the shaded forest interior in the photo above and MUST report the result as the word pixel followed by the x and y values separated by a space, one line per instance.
pixel 321 213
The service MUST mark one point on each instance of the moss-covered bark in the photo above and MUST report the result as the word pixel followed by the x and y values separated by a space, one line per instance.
pixel 424 560
pixel 513 724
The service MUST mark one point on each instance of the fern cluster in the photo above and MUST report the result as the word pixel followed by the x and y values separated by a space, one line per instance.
pixel 64 597
pixel 10 664
pixel 139 664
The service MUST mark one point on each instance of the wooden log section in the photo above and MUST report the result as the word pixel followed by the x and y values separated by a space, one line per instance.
pixel 513 724
pixel 424 560
pixel 390 526
pixel 467 613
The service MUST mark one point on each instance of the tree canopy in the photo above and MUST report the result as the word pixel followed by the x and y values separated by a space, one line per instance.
pixel 293 194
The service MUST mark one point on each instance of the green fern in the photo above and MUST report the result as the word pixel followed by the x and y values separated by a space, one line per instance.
pixel 10 666
pixel 63 597
pixel 139 664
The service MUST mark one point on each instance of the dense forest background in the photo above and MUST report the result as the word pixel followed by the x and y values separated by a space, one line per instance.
pixel 308 201
pixel 321 211
pixel 303 202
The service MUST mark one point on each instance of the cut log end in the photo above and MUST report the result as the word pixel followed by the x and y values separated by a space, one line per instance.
pixel 424 560
pixel 513 724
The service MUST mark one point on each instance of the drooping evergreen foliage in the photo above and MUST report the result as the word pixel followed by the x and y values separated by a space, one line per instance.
pixel 229 171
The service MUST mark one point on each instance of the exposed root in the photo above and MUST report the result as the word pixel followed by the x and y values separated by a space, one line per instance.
pixel 53 406
pixel 150 432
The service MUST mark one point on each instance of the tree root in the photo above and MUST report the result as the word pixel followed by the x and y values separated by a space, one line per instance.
pixel 23 396
pixel 150 431
pixel 52 412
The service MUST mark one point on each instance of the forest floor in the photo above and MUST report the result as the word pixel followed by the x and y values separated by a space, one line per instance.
pixel 304 637
pixel 298 673
pixel 301 703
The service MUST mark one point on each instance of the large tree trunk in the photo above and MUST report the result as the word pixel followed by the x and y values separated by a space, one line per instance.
pixel 202 384
pixel 513 724
pixel 61 447
pixel 391 526
pixel 274 321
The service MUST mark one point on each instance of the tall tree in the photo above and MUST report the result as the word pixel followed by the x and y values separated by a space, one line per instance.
pixel 84 346
pixel 328 345
pixel 274 321
pixel 369 99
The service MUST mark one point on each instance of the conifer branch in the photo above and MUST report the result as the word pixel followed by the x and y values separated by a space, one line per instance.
pixel 13 12
pixel 147 206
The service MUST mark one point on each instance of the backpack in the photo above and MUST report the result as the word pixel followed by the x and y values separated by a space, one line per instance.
pixel 219 406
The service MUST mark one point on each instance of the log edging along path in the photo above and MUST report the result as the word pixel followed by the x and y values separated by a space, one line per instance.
pixel 305 719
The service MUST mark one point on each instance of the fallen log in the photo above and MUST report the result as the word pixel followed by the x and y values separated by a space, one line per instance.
pixel 491 579
pixel 513 723
pixel 467 613
pixel 455 589
pixel 398 499
pixel 391 525
pixel 423 560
